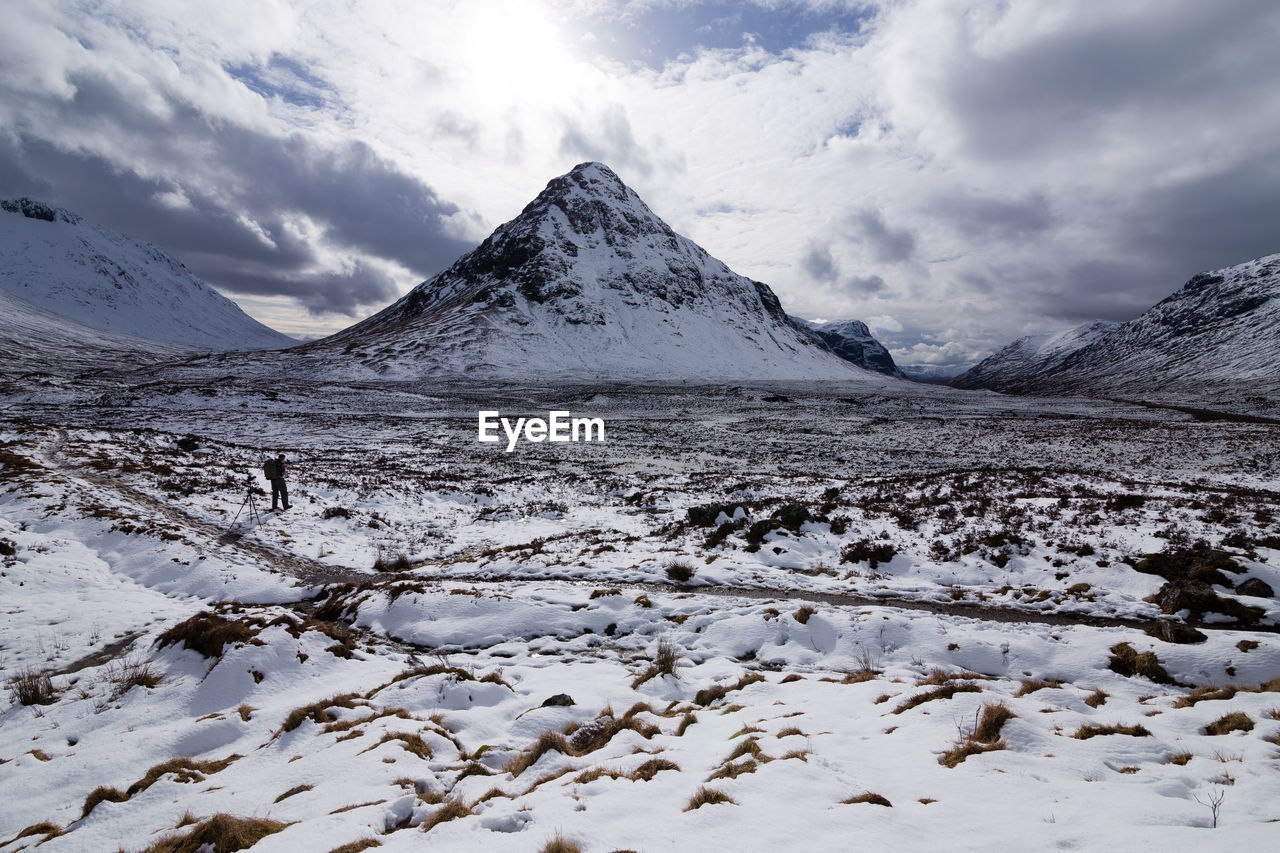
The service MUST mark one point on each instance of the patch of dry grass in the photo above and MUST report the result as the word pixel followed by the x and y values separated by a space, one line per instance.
pixel 317 712
pixel 449 810
pixel 296 789
pixel 560 844
pixel 651 768
pixel 1237 721
pixel 868 797
pixel 705 796
pixel 207 633
pixel 716 692
pixel 946 691
pixel 29 687
pixel 1087 731
pixel 222 833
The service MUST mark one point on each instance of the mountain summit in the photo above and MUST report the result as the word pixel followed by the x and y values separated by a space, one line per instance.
pixel 587 282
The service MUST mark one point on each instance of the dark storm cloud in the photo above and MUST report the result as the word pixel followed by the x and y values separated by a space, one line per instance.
pixel 887 245
pixel 236 178
pixel 1074 86
pixel 864 285
pixel 344 291
pixel 993 218
pixel 819 263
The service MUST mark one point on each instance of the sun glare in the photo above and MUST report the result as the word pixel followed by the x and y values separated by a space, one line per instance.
pixel 514 54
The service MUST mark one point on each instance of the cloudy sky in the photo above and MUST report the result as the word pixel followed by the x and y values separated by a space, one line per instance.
pixel 954 172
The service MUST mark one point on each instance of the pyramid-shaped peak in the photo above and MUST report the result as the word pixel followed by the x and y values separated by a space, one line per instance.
pixel 593 180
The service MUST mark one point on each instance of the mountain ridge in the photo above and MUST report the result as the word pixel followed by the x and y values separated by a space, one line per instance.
pixel 65 263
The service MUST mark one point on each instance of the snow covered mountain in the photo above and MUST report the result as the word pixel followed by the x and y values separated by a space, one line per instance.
pixel 1222 326
pixel 1021 362
pixel 70 266
pixel 587 282
pixel 852 341
pixel 33 339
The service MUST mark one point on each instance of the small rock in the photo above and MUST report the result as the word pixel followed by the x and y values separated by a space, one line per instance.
pixel 1255 587
pixel 1175 632
pixel 559 700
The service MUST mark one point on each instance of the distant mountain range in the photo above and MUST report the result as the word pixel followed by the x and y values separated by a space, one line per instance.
pixel 587 283
pixel 852 341
pixel 98 278
pixel 1011 368
pixel 1222 326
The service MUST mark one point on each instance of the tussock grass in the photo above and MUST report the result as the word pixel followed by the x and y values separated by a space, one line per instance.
pixel 411 741
pixel 45 828
pixel 221 833
pixel 1126 661
pixel 29 687
pixel 985 736
pixel 946 691
pixel 449 810
pixel 546 742
pixel 1097 698
pixel 594 773
pixel 102 794
pixel 992 721
pixel 750 746
pixel 317 712
pixel 296 789
pixel 651 768
pixel 868 797
pixel 732 771
pixel 602 593
pixel 680 571
pixel 687 720
pixel 1181 758
pixel 665 659
pixel 560 844
pixel 1206 694
pixel 207 633
pixel 1029 686
pixel 789 731
pixel 802 615
pixel 938 676
pixel 357 846
pixel 705 796
pixel 183 769
pixel 1087 731
pixel 716 692
pixel 1237 721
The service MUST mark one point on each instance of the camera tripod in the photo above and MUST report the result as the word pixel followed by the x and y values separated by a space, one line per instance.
pixel 250 503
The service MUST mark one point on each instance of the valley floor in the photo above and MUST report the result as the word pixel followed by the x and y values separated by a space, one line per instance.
pixel 754 616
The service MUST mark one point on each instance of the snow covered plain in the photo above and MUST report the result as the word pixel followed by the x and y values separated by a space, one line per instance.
pixel 908 620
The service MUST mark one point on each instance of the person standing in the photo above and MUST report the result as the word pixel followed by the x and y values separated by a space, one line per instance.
pixel 279 491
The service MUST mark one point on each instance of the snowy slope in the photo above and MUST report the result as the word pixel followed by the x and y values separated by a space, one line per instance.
pixel 33 339
pixel 852 341
pixel 1222 326
pixel 73 267
pixel 1029 356
pixel 587 282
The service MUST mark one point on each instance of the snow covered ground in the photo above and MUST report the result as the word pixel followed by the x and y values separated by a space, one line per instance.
pixel 921 600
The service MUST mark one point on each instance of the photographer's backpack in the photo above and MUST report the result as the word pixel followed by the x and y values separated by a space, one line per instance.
pixel 269 469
